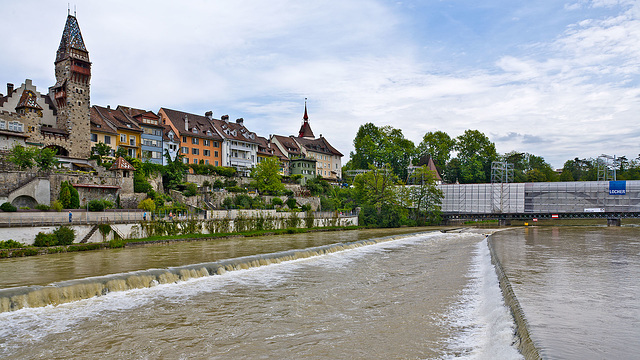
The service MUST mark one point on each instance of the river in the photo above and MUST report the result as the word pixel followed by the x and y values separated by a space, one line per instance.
pixel 427 296
pixel 579 288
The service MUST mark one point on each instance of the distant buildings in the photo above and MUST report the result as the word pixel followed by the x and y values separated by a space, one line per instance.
pixel 65 120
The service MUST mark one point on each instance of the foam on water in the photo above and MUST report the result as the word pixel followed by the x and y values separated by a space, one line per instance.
pixel 484 326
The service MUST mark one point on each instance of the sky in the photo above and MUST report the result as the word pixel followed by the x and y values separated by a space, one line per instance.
pixel 558 79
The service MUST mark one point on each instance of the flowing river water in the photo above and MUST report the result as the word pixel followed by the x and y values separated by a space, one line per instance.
pixel 578 287
pixel 422 296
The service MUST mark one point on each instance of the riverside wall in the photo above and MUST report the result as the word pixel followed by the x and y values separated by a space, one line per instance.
pixel 526 346
pixel 24 226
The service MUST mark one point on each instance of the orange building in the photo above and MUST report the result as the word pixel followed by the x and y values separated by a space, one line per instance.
pixel 199 141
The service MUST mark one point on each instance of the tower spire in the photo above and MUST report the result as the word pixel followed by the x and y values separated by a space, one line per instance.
pixel 305 129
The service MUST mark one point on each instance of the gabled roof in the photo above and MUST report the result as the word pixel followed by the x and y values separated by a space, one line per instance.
pixel 117 118
pixel 319 145
pixel 28 100
pixel 98 124
pixel 139 114
pixel 278 153
pixel 71 39
pixel 121 164
pixel 289 144
pixel 203 125
pixel 234 131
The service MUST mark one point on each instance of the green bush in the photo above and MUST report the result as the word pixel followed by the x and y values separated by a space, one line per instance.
pixel 8 207
pixel 236 189
pixel 225 171
pixel 116 243
pixel 43 207
pixel 191 189
pixel 305 207
pixel 218 184
pixel 276 201
pixel 10 244
pixel 291 203
pixel 99 205
pixel 43 240
pixel 57 206
pixel 65 235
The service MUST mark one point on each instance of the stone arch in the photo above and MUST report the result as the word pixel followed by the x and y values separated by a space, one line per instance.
pixel 60 151
pixel 24 200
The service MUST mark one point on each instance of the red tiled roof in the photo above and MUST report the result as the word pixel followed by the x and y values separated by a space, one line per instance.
pixel 98 124
pixel 121 164
pixel 320 145
pixel 117 118
pixel 202 123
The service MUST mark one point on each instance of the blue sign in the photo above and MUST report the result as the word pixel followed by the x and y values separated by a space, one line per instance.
pixel 617 187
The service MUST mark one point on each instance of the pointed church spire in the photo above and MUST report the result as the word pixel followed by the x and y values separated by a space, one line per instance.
pixel 305 117
pixel 305 129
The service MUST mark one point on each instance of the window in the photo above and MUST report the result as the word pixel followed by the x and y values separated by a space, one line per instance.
pixel 157 132
pixel 206 142
pixel 131 152
pixel 94 137
pixel 215 144
pixel 206 162
pixel 185 150
pixel 206 153
pixel 215 154
pixel 216 162
pixel 156 155
pixel 185 160
pixel 184 139
pixel 107 139
pixel 3 125
pixel 123 138
pixel 16 126
pixel 195 151
pixel 132 140
pixel 194 141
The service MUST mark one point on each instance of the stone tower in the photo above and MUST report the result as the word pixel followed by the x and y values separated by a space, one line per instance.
pixel 72 89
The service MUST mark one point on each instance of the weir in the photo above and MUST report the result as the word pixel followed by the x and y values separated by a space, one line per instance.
pixel 526 346
pixel 12 299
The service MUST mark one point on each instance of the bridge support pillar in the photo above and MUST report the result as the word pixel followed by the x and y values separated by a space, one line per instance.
pixel 613 222
pixel 504 222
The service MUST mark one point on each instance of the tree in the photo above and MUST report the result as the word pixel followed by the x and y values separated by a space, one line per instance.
pixel 379 146
pixel 69 197
pixel 101 150
pixel 426 197
pixel 45 158
pixel 439 145
pixel 475 153
pixel 147 204
pixel 174 171
pixel 22 157
pixel 375 187
pixel 266 177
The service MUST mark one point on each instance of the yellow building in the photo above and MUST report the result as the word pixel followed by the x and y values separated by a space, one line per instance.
pixel 127 129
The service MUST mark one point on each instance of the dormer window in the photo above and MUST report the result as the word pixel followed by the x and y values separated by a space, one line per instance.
pixel 208 132
pixel 129 126
pixel 195 130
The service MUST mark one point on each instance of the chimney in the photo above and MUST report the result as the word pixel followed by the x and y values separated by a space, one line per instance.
pixel 9 89
pixel 186 123
pixel 240 121
pixel 209 115
pixel 108 107
pixel 225 118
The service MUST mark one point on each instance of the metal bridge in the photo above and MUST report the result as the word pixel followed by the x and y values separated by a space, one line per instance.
pixel 554 200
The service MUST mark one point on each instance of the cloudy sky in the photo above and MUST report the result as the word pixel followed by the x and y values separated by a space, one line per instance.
pixel 559 79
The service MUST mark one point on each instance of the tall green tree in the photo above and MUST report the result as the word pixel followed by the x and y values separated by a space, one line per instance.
pixel 378 146
pixel 100 150
pixel 174 171
pixel 426 197
pixel 375 187
pixel 22 156
pixel 439 145
pixel 475 154
pixel 266 177
pixel 45 158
